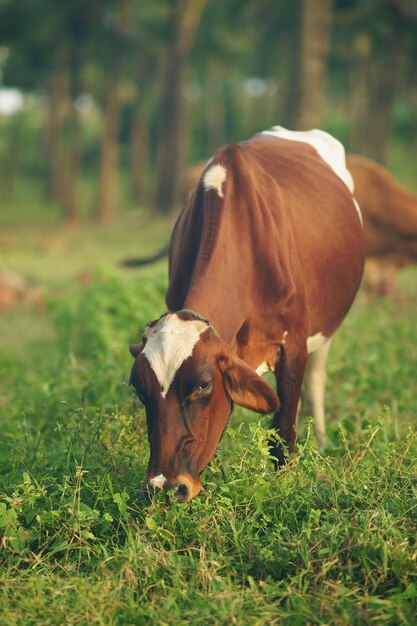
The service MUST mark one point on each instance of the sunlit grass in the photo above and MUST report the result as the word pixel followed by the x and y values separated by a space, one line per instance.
pixel 327 540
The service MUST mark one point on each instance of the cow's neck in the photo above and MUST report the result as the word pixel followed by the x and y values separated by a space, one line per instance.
pixel 218 306
pixel 215 287
pixel 217 275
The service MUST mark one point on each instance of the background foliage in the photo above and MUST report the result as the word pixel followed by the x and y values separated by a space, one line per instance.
pixel 328 539
pixel 119 96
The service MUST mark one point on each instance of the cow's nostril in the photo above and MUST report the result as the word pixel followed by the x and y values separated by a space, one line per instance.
pixel 183 485
pixel 182 492
pixel 151 488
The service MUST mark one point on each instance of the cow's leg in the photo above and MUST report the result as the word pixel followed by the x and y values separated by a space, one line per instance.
pixel 299 417
pixel 289 374
pixel 315 381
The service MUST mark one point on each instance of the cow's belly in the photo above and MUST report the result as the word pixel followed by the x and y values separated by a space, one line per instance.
pixel 328 298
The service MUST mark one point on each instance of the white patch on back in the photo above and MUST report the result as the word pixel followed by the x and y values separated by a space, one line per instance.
pixel 158 481
pixel 170 344
pixel 357 207
pixel 329 148
pixel 214 178
pixel 262 369
pixel 315 342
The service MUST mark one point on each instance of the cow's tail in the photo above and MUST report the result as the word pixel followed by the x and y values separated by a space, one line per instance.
pixel 148 260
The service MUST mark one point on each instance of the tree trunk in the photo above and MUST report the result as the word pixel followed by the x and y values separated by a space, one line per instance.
pixel 140 140
pixel 140 151
pixel 308 59
pixel 374 84
pixel 60 150
pixel 173 130
pixel 291 97
pixel 58 102
pixel 72 165
pixel 109 149
pixel 358 90
pixel 12 165
pixel 215 108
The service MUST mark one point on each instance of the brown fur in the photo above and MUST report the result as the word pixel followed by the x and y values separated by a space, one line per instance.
pixel 389 214
pixel 390 222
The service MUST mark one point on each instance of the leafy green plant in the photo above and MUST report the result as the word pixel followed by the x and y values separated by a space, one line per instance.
pixel 329 539
pixel 101 318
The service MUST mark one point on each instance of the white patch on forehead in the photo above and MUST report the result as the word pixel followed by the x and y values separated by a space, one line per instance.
pixel 357 207
pixel 158 481
pixel 214 178
pixel 329 148
pixel 315 342
pixel 171 343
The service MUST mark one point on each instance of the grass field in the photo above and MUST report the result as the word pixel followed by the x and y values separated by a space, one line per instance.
pixel 330 539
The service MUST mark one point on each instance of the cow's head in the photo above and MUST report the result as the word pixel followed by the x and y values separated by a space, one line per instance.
pixel 187 378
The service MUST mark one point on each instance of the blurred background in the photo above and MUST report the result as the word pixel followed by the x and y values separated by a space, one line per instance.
pixel 104 104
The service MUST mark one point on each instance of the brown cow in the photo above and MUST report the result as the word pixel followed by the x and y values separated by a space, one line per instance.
pixel 389 218
pixel 265 261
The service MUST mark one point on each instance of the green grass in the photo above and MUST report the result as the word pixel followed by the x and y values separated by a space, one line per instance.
pixel 327 540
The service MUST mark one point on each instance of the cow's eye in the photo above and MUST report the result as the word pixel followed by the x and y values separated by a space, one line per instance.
pixel 200 388
pixel 205 385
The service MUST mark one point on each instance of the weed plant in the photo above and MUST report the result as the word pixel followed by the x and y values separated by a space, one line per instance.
pixel 329 539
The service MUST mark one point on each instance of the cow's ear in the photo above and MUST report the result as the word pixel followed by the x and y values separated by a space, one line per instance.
pixel 135 349
pixel 245 387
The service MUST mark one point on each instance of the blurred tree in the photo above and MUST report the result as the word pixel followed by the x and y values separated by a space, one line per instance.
pixel 12 160
pixel 140 132
pixel 60 113
pixel 26 66
pixel 151 84
pixel 48 60
pixel 145 70
pixel 220 62
pixel 308 60
pixel 173 140
pixel 376 73
pixel 109 148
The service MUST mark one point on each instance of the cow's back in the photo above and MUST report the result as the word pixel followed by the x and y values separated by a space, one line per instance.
pixel 281 226
pixel 389 210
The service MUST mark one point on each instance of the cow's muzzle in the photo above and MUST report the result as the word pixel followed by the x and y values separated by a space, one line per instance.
pixel 184 486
